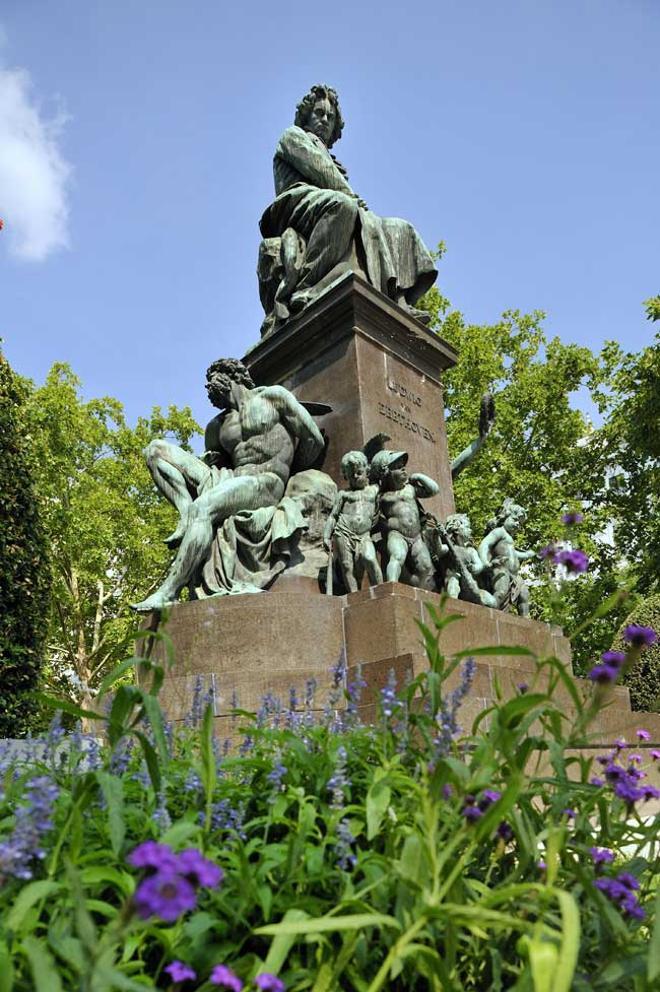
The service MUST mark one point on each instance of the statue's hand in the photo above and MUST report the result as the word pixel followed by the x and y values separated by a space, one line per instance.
pixel 212 458
pixel 486 414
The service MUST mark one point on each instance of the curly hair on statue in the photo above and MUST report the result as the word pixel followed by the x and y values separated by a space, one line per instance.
pixel 320 92
pixel 233 368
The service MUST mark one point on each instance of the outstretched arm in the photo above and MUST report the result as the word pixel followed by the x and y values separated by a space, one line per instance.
pixel 301 150
pixel 486 421
pixel 299 423
pixel 424 486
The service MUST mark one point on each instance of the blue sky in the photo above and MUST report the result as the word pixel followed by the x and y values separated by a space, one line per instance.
pixel 136 141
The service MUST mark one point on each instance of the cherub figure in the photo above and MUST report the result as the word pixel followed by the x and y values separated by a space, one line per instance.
pixel 347 534
pixel 404 520
pixel 498 553
pixel 464 568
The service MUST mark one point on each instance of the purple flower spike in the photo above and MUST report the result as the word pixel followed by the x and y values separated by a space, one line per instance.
pixel 225 978
pixel 640 637
pixel 180 972
pixel 269 983
pixel 601 855
pixel 488 797
pixel 642 735
pixel 198 869
pixel 150 854
pixel 570 519
pixel 569 813
pixel 166 895
pixel 573 561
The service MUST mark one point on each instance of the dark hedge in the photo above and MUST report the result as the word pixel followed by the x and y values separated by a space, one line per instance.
pixel 24 570
pixel 644 679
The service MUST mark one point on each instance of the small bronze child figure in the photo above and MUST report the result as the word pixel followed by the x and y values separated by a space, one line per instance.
pixel 498 553
pixel 404 520
pixel 347 532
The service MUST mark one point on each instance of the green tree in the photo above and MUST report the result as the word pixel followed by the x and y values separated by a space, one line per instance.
pixel 105 523
pixel 24 569
pixel 546 453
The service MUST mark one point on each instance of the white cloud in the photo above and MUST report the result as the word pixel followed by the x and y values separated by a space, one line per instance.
pixel 34 176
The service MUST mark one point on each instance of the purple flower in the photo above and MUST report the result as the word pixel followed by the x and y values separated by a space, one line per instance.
pixel 640 637
pixel 541 865
pixel 569 813
pixel 472 813
pixel 166 895
pixel 642 735
pixel 269 983
pixel 150 854
pixel 198 869
pixel 573 561
pixel 572 518
pixel 180 972
pixel 504 831
pixel 225 978
pixel 346 858
pixel 522 688
pixel 604 674
pixel 655 754
pixel 621 890
pixel 447 791
pixel 601 855
pixel 33 820
pixel 614 658
pixel 488 797
pixel 549 551
pixel 598 782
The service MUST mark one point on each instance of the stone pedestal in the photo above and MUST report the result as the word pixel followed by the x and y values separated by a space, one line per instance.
pixel 245 647
pixel 376 366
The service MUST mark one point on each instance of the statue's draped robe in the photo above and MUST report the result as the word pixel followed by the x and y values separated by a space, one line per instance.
pixel 249 548
pixel 307 178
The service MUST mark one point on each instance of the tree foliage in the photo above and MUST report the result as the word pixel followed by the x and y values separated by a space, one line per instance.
pixel 24 569
pixel 546 452
pixel 104 520
pixel 643 679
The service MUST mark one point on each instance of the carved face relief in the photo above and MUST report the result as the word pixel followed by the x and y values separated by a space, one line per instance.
pixel 357 476
pixel 321 120
pixel 398 477
pixel 218 389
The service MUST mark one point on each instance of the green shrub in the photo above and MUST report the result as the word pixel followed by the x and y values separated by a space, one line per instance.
pixel 24 572
pixel 407 856
pixel 644 678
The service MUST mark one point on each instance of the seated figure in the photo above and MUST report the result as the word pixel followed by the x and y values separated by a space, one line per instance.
pixel 236 521
pixel 317 228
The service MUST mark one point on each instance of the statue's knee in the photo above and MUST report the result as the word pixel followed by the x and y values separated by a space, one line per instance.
pixel 345 206
pixel 155 449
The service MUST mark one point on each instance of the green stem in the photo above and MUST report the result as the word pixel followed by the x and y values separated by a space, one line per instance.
pixel 396 949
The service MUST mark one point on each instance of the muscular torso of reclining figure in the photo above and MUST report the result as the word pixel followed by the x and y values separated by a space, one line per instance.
pixel 399 507
pixel 254 438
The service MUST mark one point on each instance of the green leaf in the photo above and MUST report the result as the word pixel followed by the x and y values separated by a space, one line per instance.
pixel 151 759
pixel 67 707
pixel 155 716
pixel 495 649
pixel 179 832
pixel 328 924
pixel 113 792
pixel 543 959
pixel 6 969
pixel 410 862
pixel 283 942
pixel 42 965
pixel 125 666
pixel 653 964
pixel 570 942
pixel 27 897
pixel 378 800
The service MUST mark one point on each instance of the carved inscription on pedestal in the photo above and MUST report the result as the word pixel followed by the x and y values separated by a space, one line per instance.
pixel 403 416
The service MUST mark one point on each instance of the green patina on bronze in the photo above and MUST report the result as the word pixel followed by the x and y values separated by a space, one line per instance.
pixel 319 228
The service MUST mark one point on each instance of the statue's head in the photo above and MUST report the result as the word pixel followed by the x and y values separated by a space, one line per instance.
pixel 220 376
pixel 511 516
pixel 389 467
pixel 319 112
pixel 458 526
pixel 355 469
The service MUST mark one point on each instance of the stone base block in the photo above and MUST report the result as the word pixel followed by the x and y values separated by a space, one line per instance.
pixel 239 649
